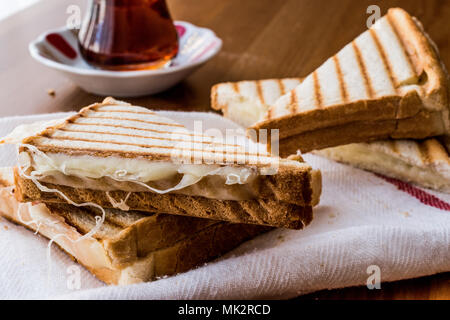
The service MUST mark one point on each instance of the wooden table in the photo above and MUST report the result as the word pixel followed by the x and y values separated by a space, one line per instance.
pixel 262 39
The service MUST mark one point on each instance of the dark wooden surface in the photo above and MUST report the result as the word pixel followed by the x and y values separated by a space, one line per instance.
pixel 262 39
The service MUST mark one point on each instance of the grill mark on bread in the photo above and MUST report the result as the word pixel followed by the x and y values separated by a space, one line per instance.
pixel 402 43
pixel 317 93
pixel 363 70
pixel 342 86
pixel 269 114
pixel 282 87
pixel 384 59
pixel 235 86
pixel 260 92
pixel 124 111
pixel 413 66
pixel 137 120
pixel 226 157
pixel 231 153
pixel 141 129
pixel 294 102
pixel 149 137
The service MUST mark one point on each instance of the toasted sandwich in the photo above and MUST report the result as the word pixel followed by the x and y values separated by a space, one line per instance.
pixel 131 246
pixel 422 162
pixel 246 102
pixel 115 155
pixel 387 83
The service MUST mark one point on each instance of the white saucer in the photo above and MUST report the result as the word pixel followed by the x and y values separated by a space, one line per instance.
pixel 197 46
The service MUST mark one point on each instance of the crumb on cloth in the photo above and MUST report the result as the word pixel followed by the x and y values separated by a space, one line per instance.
pixel 51 92
pixel 406 214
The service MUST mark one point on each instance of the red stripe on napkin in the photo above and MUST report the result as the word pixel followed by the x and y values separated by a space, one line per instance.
pixel 417 193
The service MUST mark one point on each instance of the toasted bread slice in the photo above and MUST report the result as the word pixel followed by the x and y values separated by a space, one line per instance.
pixel 425 124
pixel 258 211
pixel 114 151
pixel 425 163
pixel 129 247
pixel 246 102
pixel 390 73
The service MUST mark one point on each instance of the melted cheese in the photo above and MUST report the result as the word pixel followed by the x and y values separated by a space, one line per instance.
pixel 113 173
pixel 127 169
pixel 133 174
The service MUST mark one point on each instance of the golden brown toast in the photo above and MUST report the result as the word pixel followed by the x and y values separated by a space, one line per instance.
pixel 246 102
pixel 267 212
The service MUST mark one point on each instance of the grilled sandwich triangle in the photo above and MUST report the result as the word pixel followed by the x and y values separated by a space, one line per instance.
pixel 422 162
pixel 246 102
pixel 425 163
pixel 387 83
pixel 121 156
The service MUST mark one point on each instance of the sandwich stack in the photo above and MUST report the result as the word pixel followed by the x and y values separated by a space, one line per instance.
pixel 425 162
pixel 130 246
pixel 134 196
pixel 387 84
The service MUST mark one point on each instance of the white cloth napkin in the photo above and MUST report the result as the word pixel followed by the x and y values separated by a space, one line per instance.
pixel 362 221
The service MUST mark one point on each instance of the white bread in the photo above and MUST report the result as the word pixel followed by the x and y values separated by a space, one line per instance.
pixel 392 72
pixel 246 102
pixel 423 162
pixel 129 247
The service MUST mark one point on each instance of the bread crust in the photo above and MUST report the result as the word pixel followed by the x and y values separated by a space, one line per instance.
pixel 214 102
pixel 423 125
pixel 424 54
pixel 267 212
pixel 184 255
